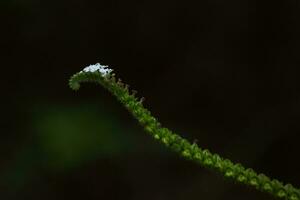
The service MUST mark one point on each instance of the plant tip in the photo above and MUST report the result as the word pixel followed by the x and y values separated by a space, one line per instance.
pixel 104 70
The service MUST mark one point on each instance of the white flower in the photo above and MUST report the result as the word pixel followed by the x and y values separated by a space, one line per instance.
pixel 104 70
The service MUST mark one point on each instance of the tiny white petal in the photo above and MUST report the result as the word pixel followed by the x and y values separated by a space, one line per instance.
pixel 104 70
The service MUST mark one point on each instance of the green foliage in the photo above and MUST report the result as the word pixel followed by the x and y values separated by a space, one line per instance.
pixel 204 157
pixel 67 140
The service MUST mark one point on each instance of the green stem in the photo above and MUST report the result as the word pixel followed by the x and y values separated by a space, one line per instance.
pixel 204 157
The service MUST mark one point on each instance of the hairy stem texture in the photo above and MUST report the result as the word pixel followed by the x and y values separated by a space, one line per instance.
pixel 204 157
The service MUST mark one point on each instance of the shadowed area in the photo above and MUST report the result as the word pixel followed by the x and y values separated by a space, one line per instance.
pixel 222 73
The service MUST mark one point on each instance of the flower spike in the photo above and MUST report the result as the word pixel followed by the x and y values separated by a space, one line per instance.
pixel 102 75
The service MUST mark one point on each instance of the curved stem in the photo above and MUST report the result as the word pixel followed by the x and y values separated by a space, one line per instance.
pixel 204 157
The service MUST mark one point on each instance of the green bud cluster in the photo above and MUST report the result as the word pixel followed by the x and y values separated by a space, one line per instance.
pixel 204 157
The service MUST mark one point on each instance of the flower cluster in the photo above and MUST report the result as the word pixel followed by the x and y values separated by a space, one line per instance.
pixel 228 169
pixel 104 70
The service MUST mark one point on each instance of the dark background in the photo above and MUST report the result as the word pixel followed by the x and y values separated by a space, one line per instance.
pixel 222 73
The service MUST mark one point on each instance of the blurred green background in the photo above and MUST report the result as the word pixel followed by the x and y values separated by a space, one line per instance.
pixel 222 73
